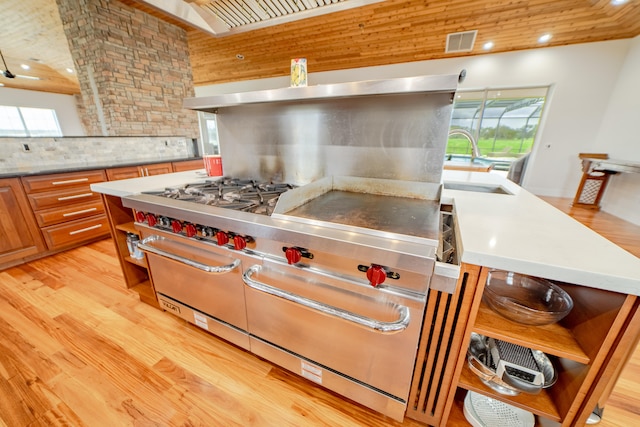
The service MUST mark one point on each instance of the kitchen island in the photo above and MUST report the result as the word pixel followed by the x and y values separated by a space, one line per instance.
pixel 510 230
pixel 501 225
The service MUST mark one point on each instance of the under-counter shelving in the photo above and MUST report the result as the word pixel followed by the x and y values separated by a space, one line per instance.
pixel 586 347
pixel 135 271
pixel 129 228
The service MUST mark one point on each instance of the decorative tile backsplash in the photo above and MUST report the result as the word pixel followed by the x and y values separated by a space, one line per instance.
pixel 31 155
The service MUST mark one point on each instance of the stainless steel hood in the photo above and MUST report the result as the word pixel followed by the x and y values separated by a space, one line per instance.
pixel 407 85
pixel 392 129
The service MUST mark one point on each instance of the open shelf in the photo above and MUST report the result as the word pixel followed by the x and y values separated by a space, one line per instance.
pixel 457 418
pixel 586 348
pixel 128 227
pixel 540 404
pixel 552 339
pixel 137 261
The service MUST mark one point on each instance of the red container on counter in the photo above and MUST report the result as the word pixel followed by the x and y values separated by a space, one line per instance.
pixel 213 165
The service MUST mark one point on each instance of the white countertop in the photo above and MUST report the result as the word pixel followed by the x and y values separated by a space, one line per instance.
pixel 525 234
pixel 516 232
pixel 129 187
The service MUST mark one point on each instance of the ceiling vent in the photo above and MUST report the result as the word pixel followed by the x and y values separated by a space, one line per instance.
pixel 461 42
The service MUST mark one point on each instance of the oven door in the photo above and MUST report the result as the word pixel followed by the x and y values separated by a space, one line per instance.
pixel 193 278
pixel 368 335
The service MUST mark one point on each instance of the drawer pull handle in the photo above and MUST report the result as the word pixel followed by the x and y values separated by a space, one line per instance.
pixel 80 212
pixel 82 230
pixel 70 181
pixel 77 196
pixel 145 246
pixel 381 326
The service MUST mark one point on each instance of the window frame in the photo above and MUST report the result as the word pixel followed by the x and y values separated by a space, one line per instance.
pixel 28 131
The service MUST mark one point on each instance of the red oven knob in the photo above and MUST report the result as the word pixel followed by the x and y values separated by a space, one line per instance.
pixel 176 226
pixel 191 230
pixel 151 219
pixel 293 255
pixel 376 275
pixel 222 238
pixel 239 243
pixel 139 216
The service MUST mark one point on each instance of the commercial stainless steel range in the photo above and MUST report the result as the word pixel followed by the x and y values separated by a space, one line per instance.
pixel 320 260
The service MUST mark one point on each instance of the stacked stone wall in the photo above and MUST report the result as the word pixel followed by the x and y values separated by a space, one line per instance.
pixel 133 68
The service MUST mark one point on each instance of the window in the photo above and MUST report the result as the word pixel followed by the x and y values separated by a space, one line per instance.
pixel 24 121
pixel 209 134
pixel 504 122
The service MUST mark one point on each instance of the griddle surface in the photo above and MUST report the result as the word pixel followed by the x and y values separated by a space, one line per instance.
pixel 400 215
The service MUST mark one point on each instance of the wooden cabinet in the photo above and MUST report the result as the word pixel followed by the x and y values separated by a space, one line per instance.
pixel 586 347
pixel 115 174
pixel 68 212
pixel 188 165
pixel 134 270
pixel 19 234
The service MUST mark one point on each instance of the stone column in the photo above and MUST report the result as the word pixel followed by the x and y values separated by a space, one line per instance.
pixel 133 68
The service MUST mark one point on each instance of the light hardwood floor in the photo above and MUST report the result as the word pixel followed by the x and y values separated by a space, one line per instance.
pixel 78 349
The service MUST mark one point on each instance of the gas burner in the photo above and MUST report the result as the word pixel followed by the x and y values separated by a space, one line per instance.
pixel 230 193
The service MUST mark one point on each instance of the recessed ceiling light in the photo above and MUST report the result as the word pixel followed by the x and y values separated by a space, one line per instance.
pixel 544 38
pixel 618 2
pixel 487 46
pixel 70 70
pixel 25 67
pixel 1 84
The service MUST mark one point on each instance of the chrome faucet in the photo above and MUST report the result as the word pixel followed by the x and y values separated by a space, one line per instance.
pixel 475 151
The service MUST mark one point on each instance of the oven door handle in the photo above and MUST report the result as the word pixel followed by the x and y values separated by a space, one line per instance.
pixel 378 325
pixel 146 247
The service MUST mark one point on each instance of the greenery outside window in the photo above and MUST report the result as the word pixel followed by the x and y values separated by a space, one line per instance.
pixel 503 122
pixel 24 121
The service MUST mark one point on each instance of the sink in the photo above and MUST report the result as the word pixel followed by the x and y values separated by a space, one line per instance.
pixel 478 188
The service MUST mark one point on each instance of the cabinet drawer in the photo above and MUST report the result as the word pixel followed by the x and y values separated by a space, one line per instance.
pixel 188 165
pixel 128 172
pixel 157 169
pixel 75 232
pixel 34 184
pixel 64 198
pixel 69 213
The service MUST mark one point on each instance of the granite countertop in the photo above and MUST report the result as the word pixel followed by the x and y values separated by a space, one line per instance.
pixel 83 166
pixel 501 226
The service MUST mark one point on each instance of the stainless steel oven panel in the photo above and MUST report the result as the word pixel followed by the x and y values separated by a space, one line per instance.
pixel 410 256
pixel 330 379
pixel 223 330
pixel 209 280
pixel 347 267
pixel 366 334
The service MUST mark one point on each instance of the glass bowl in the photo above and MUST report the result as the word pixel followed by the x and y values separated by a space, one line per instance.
pixel 526 299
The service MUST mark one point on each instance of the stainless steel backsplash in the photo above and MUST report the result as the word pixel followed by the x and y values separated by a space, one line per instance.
pixel 400 137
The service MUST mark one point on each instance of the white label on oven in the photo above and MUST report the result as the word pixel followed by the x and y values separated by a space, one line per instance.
pixel 311 372
pixel 200 320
